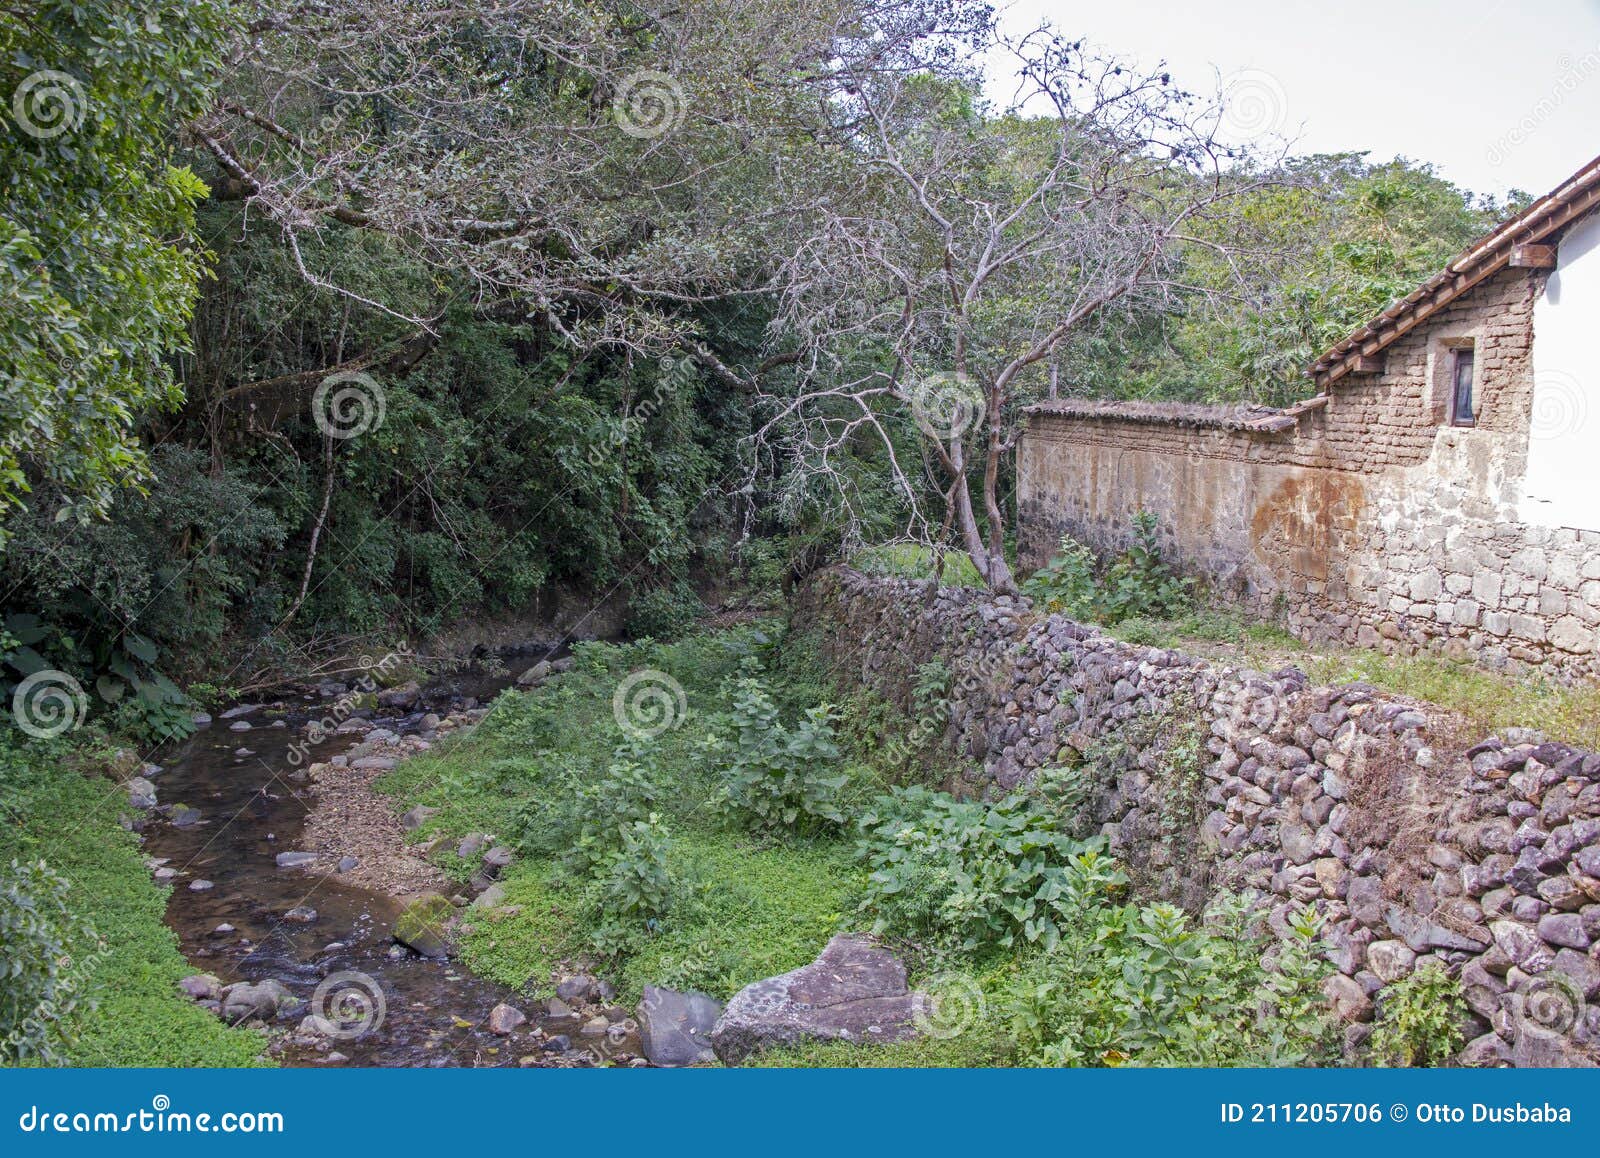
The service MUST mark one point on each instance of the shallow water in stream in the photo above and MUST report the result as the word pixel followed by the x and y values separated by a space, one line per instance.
pixel 433 1013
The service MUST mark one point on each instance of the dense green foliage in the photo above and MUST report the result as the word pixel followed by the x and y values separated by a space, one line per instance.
pixel 38 937
pixel 1335 243
pixel 1419 1019
pixel 97 266
pixel 1148 986
pixel 1137 584
pixel 115 959
pixel 635 858
pixel 631 850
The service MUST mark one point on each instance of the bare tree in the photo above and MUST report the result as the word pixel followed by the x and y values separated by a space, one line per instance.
pixel 963 246
pixel 599 169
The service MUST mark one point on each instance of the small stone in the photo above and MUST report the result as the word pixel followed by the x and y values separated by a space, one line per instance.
pixel 200 885
pixel 503 1018
pixel 1348 998
pixel 1390 960
pixel 416 817
pixel 296 859
pixel 202 986
pixel 348 863
pixel 301 915
pixel 578 988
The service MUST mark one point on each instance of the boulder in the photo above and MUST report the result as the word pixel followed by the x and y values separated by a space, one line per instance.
pixel 402 696
pixel 416 817
pixel 534 675
pixel 423 923
pixel 262 999
pixel 854 991
pixel 141 793
pixel 577 988
pixel 202 986
pixel 675 1028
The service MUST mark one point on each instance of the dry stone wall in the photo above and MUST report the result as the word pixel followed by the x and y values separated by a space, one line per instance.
pixel 1415 844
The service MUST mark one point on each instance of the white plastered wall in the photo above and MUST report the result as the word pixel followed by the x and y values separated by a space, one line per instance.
pixel 1563 481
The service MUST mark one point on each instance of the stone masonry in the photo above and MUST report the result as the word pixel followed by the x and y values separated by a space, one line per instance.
pixel 1414 843
pixel 1364 518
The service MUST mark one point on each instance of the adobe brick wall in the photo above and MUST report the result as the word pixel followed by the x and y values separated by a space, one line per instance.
pixel 1371 523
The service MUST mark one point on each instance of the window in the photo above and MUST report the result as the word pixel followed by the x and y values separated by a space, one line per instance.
pixel 1461 412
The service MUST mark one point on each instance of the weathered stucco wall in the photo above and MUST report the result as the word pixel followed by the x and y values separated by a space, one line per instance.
pixel 1411 845
pixel 1370 522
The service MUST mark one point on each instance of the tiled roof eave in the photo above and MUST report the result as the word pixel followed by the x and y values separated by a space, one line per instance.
pixel 1577 197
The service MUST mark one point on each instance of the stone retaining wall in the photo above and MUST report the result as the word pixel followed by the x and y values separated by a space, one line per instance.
pixel 1413 843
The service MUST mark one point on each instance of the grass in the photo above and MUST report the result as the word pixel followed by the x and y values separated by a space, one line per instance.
pixel 742 907
pixel 137 1015
pixel 914 561
pixel 1215 634
pixel 964 1051
pixel 1490 701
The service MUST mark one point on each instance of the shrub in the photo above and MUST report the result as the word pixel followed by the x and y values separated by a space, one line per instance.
pixel 1419 1020
pixel 42 983
pixel 1067 582
pixel 774 776
pixel 581 817
pixel 632 877
pixel 1146 986
pixel 969 875
pixel 1137 584
pixel 665 613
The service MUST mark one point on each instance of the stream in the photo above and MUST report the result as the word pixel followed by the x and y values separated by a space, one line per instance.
pixel 421 1012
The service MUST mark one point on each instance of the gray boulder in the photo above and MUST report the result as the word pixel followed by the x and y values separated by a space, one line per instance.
pixel 534 675
pixel 416 817
pixel 263 999
pixel 141 793
pixel 854 991
pixel 675 1028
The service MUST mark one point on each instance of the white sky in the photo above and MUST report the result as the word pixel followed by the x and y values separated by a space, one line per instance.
pixel 1495 93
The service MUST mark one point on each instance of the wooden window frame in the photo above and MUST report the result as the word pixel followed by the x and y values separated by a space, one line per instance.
pixel 1463 357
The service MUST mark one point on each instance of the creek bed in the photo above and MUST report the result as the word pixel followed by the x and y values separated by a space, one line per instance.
pixel 253 807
